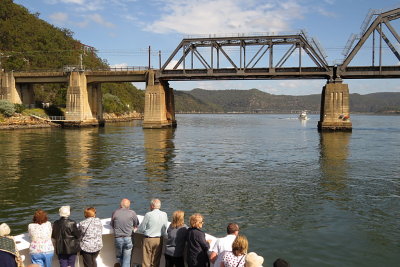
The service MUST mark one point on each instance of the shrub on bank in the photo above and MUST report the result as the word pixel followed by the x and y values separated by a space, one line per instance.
pixel 19 108
pixel 7 108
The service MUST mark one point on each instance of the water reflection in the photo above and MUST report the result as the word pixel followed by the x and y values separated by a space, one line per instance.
pixel 303 123
pixel 333 160
pixel 32 162
pixel 79 146
pixel 10 158
pixel 159 152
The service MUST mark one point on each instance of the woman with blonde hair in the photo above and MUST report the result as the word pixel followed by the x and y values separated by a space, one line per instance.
pixel 41 248
pixel 235 258
pixel 91 237
pixel 177 232
pixel 197 246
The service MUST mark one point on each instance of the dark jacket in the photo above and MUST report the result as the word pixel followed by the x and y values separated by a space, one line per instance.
pixel 66 235
pixel 197 248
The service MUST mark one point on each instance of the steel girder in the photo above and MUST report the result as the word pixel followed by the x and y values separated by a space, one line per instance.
pixel 243 66
pixel 377 25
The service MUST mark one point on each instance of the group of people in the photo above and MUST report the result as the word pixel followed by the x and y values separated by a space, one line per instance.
pixel 86 238
pixel 68 237
pixel 229 251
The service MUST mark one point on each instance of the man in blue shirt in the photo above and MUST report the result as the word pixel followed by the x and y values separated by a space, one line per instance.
pixel 154 228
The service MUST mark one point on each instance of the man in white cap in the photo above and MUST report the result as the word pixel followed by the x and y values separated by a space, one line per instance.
pixel 66 235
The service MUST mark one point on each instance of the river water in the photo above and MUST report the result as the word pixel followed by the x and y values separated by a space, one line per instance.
pixel 330 199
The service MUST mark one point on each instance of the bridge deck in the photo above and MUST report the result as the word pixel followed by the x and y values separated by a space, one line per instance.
pixel 354 72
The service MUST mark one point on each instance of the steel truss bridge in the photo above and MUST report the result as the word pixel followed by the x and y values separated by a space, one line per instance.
pixel 273 57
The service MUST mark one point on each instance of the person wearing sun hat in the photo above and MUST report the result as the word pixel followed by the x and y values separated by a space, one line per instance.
pixel 66 235
pixel 253 260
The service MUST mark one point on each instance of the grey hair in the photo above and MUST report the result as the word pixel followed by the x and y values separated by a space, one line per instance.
pixel 155 203
pixel 4 229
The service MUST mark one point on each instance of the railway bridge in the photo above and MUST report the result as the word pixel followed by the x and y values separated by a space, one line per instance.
pixel 255 57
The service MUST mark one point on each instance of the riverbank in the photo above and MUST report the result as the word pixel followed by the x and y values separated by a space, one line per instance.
pixel 111 117
pixel 19 121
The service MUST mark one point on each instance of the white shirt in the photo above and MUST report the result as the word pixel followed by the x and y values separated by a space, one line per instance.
pixel 154 224
pixel 222 244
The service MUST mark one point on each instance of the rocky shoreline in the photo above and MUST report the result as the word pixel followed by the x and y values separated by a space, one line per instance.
pixel 111 117
pixel 24 122
pixel 19 121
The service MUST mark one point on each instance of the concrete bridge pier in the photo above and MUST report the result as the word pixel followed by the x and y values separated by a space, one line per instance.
pixel 15 93
pixel 8 90
pixel 159 108
pixel 95 101
pixel 82 102
pixel 26 94
pixel 335 107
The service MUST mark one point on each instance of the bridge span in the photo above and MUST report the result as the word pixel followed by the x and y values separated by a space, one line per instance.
pixel 266 57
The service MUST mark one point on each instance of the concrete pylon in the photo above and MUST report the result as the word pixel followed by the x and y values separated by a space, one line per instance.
pixel 79 112
pixel 170 102
pixel 335 108
pixel 95 101
pixel 159 102
pixel 8 90
pixel 26 94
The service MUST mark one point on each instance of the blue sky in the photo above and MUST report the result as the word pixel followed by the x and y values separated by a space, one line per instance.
pixel 122 30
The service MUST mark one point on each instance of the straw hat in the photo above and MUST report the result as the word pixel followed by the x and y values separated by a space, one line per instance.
pixel 64 211
pixel 253 260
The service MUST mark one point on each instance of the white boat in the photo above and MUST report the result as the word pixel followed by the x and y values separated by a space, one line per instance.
pixel 303 115
pixel 106 256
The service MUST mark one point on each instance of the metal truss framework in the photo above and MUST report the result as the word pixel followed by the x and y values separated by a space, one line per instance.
pixel 377 26
pixel 245 66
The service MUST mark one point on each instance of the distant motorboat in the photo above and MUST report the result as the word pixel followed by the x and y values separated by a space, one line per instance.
pixel 303 115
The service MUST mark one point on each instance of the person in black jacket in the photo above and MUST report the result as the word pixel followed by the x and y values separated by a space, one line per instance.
pixel 66 235
pixel 197 246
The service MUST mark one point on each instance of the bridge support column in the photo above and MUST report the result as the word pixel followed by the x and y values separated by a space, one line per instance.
pixel 170 104
pixel 335 108
pixel 26 94
pixel 159 104
pixel 79 112
pixel 95 101
pixel 8 89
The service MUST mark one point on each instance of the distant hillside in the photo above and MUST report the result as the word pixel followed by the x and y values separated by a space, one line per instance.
pixel 376 103
pixel 30 43
pixel 199 100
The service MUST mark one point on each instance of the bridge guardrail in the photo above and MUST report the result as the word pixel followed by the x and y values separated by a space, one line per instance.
pixel 76 68
pixel 57 118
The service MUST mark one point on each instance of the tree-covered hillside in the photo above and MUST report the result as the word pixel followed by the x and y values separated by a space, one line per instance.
pixel 199 100
pixel 30 43
pixel 249 101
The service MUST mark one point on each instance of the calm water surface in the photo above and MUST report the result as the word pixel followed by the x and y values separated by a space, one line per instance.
pixel 329 199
